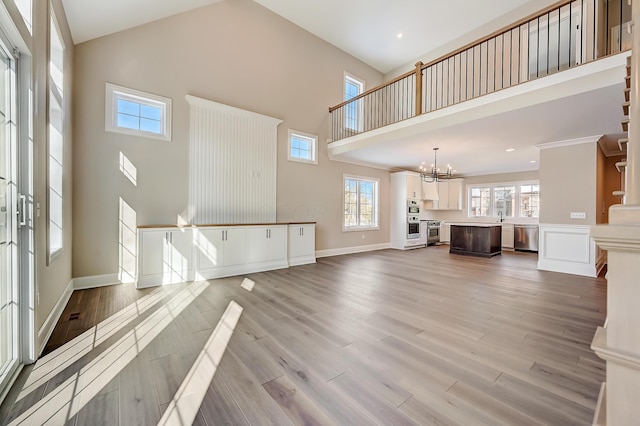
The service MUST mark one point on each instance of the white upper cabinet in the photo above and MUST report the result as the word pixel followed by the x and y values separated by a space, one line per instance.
pixel 414 189
pixel 449 195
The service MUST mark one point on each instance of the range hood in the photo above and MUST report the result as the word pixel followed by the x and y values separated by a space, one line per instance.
pixel 430 191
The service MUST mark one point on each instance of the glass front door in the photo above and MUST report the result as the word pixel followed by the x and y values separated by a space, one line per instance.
pixel 9 339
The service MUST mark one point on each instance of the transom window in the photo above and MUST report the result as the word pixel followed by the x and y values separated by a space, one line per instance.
pixel 137 113
pixel 303 147
pixel 517 200
pixel 360 203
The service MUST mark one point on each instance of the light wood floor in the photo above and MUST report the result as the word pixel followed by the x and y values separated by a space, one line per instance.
pixel 388 337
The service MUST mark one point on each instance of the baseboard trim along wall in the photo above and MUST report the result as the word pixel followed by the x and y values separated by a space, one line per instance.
pixel 568 249
pixel 95 281
pixel 44 333
pixel 352 250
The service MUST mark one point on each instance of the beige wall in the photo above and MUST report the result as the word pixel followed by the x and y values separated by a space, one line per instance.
pixel 568 183
pixel 233 52
pixel 462 215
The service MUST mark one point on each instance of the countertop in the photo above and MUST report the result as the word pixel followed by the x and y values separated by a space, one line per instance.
pixel 226 225
pixel 479 224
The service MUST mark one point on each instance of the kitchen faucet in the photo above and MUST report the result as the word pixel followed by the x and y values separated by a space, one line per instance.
pixel 501 218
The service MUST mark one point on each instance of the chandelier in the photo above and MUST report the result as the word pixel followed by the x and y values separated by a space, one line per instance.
pixel 434 175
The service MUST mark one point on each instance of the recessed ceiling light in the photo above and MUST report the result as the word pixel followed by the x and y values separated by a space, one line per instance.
pixel 400 35
pixel 533 161
pixel 510 149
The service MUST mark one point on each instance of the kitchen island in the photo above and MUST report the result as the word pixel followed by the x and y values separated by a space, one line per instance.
pixel 481 239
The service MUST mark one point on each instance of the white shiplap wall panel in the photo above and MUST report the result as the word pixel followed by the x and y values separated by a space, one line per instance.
pixel 233 164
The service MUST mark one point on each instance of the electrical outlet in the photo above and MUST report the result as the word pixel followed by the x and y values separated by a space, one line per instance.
pixel 578 215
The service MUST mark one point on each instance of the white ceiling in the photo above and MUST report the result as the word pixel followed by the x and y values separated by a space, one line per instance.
pixel 89 19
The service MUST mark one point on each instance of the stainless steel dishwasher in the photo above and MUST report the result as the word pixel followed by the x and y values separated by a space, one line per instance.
pixel 525 237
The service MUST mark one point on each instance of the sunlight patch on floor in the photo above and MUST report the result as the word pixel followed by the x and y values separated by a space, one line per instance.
pixel 182 410
pixel 67 399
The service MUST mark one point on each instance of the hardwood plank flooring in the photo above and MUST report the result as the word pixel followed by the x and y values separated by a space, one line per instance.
pixel 386 337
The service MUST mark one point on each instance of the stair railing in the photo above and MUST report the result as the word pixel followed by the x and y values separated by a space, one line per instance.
pixel 557 38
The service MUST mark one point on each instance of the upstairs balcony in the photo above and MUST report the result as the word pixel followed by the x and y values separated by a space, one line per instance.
pixel 508 70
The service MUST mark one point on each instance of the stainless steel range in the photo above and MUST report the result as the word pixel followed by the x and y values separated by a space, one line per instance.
pixel 433 232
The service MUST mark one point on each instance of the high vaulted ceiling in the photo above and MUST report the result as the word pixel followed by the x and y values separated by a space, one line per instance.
pixel 366 29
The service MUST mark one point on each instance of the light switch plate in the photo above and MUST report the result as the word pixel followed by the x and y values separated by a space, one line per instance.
pixel 578 215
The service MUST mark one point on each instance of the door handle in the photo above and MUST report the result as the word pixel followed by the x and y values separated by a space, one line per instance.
pixel 22 210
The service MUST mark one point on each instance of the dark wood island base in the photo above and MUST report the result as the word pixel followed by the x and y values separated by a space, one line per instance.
pixel 483 240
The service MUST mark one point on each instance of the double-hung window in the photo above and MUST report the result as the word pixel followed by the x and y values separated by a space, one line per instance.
pixel 137 113
pixel 361 203
pixel 479 200
pixel 353 110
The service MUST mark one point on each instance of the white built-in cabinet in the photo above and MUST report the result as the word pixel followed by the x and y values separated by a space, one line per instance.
pixel 165 255
pixel 445 232
pixel 169 255
pixel 219 247
pixel 268 243
pixel 302 244
pixel 507 235
pixel 449 195
pixel 414 186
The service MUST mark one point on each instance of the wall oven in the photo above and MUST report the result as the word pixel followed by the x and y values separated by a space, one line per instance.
pixel 413 227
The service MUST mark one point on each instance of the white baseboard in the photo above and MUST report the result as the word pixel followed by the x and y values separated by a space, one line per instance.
pixel 44 333
pixel 568 249
pixel 352 250
pixel 94 281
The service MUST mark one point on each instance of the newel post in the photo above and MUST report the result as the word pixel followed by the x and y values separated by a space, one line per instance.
pixel 419 88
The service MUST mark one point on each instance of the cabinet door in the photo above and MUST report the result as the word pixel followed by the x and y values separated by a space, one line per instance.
pixel 507 236
pixel 445 232
pixel 302 244
pixel 257 247
pixel 152 252
pixel 413 187
pixel 455 195
pixel 234 246
pixel 277 243
pixel 209 248
pixel 180 255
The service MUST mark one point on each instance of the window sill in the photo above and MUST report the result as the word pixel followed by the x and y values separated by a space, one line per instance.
pixel 360 229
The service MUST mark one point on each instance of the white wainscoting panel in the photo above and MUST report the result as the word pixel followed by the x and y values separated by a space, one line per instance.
pixel 568 249
pixel 232 164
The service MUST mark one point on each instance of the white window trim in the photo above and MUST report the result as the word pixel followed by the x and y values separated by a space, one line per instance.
pixel 314 147
pixel 114 92
pixel 492 212
pixel 359 103
pixel 376 203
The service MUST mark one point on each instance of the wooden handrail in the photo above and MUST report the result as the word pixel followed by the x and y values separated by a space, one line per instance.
pixel 510 27
pixel 375 89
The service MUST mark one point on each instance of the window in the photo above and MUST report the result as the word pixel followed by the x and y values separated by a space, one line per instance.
pixel 137 113
pixel 504 201
pixel 303 147
pixel 353 110
pixel 514 200
pixel 530 201
pixel 55 143
pixel 360 203
pixel 479 202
